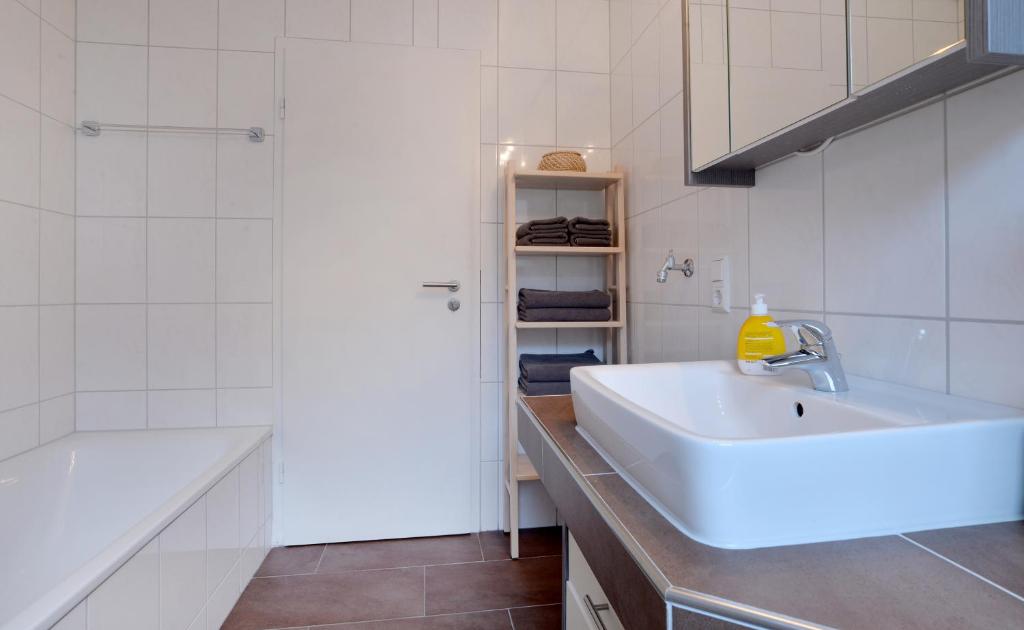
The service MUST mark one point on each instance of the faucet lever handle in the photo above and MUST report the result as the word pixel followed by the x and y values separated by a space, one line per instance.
pixel 817 330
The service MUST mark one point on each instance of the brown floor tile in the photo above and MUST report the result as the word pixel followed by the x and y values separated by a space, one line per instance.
pixel 540 541
pixel 994 551
pixel 409 552
pixel 291 560
pixel 490 620
pixel 306 600
pixel 537 618
pixel 491 585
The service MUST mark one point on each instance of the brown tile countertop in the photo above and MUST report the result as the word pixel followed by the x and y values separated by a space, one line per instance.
pixel 966 577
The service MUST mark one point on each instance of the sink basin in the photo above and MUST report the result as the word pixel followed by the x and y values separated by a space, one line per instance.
pixel 741 461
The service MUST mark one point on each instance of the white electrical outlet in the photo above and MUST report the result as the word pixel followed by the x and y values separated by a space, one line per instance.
pixel 720 287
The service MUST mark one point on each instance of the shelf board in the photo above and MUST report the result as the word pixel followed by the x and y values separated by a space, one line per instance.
pixel 525 470
pixel 568 180
pixel 560 250
pixel 528 325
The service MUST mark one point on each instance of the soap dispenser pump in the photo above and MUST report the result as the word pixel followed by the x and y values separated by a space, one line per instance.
pixel 758 340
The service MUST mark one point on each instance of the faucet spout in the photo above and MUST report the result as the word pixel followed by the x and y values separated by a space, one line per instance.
pixel 817 356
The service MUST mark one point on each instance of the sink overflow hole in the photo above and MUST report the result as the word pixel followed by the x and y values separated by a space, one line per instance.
pixel 798 409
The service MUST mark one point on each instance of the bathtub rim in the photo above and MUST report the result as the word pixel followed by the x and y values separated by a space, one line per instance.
pixel 51 607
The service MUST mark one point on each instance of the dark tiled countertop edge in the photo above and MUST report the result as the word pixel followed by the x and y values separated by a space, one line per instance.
pixel 558 417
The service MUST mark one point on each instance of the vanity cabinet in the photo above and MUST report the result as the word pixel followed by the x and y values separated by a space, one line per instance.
pixel 586 605
pixel 765 78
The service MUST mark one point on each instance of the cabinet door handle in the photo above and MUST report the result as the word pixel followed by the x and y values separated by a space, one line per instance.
pixel 596 610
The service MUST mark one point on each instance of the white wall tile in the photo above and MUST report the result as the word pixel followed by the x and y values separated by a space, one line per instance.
pixel 583 110
pixel 680 333
pixel 19 255
pixel 19 430
pixel 491 259
pixel 621 97
pixel 645 344
pixel 489 212
pixel 250 24
pixel 490 475
pixel 111 83
pixel 470 25
pixel 905 351
pixel 246 90
pixel 491 401
pixel 672 165
pixel 670 57
pixel 56 351
pixel 183 568
pixel 19 153
pixel 181 351
pixel 526 108
pixel 184 23
pixel 114 21
pixel 642 13
pixel 244 260
pixel 723 232
pixel 57 92
pixel 56 258
pixel 111 260
pixel 181 260
pixel 245 177
pixel 244 407
pixel 60 13
pixel 110 347
pixel 244 339
pixel 526 34
pixel 111 174
pixel 129 599
pixel 19 53
pixel 646 76
pixel 891 271
pixel 619 37
pixel 19 367
pixel 718 333
pixel 57 166
pixel 583 35
pixel 182 87
pixel 382 21
pixel 321 19
pixel 110 411
pixel 786 207
pixel 986 260
pixel 488 105
pixel 983 362
pixel 222 546
pixel 645 240
pixel 182 175
pixel 491 317
pixel 425 23
pixel 182 408
pixel 56 418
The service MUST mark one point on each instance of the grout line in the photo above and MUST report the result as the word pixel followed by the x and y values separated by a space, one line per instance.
pixel 510 621
pixel 323 552
pixel 962 567
pixel 316 571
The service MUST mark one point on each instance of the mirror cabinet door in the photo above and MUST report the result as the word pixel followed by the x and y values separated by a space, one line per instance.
pixel 788 59
pixel 708 81
pixel 887 36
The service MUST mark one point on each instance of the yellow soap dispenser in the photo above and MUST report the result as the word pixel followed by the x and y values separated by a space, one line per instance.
pixel 758 340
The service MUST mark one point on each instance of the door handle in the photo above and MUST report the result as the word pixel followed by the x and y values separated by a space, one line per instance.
pixel 451 285
pixel 596 610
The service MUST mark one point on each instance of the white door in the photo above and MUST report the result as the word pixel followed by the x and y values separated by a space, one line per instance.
pixel 380 376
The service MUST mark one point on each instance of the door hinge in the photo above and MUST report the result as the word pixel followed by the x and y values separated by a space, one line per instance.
pixel 282 110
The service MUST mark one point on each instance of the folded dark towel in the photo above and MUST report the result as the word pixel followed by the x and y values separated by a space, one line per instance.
pixel 564 314
pixel 553 368
pixel 544 238
pixel 583 224
pixel 586 240
pixel 542 298
pixel 544 389
pixel 557 224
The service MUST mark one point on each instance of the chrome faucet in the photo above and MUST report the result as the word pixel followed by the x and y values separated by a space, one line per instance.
pixel 817 355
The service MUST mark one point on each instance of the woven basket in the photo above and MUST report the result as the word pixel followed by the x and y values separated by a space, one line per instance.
pixel 562 161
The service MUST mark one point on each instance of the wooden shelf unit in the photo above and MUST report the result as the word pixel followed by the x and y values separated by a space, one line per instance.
pixel 518 468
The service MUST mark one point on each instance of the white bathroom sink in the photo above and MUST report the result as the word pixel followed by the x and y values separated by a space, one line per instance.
pixel 757 461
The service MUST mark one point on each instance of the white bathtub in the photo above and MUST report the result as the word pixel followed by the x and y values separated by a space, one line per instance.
pixel 75 511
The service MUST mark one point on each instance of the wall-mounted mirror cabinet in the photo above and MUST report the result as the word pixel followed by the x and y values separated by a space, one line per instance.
pixel 767 78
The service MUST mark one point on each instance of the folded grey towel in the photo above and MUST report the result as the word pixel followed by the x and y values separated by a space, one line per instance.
pixel 544 389
pixel 586 240
pixel 553 368
pixel 556 224
pixel 564 314
pixel 542 298
pixel 583 224
pixel 544 238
